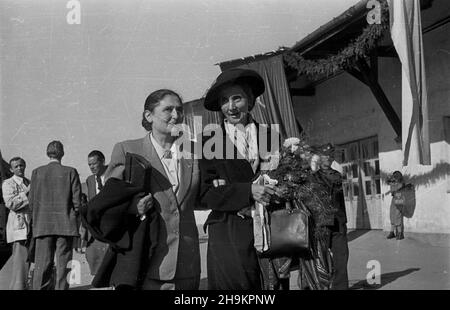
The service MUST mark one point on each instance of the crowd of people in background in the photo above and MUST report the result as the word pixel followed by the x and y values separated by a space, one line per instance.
pixel 43 222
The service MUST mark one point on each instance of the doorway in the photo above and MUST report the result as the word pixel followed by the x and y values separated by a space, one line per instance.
pixel 361 183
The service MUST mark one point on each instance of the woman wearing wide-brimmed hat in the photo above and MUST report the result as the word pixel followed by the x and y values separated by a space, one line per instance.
pixel 227 183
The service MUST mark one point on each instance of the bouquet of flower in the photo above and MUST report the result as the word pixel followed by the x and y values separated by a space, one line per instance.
pixel 295 175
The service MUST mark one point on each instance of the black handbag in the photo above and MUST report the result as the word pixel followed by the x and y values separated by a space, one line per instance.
pixel 137 171
pixel 289 231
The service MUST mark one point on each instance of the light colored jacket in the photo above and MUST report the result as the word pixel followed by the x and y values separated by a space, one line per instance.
pixel 177 254
pixel 19 217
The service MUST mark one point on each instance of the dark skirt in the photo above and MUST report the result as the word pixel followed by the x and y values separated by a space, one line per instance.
pixel 232 261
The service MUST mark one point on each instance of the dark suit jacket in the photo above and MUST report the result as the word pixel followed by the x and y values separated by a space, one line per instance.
pixel 177 254
pixel 91 192
pixel 92 185
pixel 55 196
pixel 111 218
pixel 232 258
pixel 238 175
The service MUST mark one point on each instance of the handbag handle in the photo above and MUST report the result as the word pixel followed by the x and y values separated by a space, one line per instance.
pixel 298 204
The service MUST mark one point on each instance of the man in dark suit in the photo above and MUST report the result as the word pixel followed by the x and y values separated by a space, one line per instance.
pixel 55 195
pixel 95 250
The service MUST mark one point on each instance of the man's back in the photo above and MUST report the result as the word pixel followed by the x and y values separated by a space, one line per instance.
pixel 55 197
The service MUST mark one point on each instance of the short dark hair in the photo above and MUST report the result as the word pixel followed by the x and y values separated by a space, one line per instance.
pixel 152 102
pixel 17 158
pixel 55 149
pixel 98 154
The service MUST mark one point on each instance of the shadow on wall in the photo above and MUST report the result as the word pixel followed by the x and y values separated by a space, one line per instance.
pixel 385 279
pixel 439 172
pixel 410 202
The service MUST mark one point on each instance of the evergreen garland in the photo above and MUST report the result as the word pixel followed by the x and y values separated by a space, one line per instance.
pixel 358 48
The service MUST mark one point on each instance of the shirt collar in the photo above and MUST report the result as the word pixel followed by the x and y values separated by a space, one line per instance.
pixel 101 176
pixel 17 179
pixel 160 150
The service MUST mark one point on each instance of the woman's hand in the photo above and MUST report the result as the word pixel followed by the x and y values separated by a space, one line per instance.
pixel 245 212
pixel 262 193
pixel 145 204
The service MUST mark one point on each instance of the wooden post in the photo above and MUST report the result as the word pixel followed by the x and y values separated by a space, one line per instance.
pixel 369 77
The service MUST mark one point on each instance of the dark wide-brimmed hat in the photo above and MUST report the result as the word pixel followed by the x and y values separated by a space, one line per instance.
pixel 233 76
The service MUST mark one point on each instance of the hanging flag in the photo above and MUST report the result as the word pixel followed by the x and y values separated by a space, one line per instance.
pixel 406 34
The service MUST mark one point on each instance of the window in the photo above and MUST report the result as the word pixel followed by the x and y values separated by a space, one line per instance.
pixel 367 169
pixel 368 188
pixel 355 170
pixel 378 186
pixel 346 190
pixel 355 189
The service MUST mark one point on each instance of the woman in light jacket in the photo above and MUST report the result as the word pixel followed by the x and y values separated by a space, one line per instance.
pixel 174 186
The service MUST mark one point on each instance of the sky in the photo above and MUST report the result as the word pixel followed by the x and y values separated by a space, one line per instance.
pixel 85 84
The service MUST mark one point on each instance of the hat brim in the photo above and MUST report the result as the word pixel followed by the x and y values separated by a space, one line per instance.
pixel 233 77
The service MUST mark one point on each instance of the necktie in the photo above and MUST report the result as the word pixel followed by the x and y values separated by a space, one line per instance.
pixel 25 184
pixel 167 154
pixel 99 183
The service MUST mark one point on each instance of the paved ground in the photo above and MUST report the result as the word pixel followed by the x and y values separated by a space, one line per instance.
pixel 420 261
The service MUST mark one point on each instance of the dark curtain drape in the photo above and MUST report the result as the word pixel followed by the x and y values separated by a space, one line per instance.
pixel 196 117
pixel 275 105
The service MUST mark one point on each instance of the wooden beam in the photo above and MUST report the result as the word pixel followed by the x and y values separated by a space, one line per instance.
pixel 379 94
pixel 437 24
pixel 357 75
pixel 374 63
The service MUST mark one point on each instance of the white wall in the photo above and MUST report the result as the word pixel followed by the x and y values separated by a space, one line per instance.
pixel 344 109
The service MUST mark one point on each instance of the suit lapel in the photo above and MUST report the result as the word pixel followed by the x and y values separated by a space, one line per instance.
pixel 185 178
pixel 239 164
pixel 158 174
